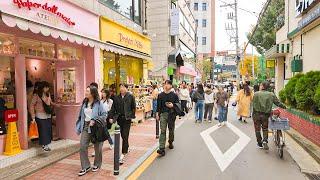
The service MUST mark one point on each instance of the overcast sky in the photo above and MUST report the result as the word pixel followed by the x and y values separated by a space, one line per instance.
pixel 246 21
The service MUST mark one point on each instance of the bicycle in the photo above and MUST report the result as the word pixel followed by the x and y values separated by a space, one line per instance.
pixel 278 125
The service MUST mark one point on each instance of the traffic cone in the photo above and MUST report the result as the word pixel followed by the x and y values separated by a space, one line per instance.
pixel 12 140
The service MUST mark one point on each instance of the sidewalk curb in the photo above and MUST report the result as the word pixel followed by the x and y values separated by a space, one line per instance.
pixel 19 170
pixel 138 163
pixel 312 149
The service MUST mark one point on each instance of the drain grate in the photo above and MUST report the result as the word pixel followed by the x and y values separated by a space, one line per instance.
pixel 313 176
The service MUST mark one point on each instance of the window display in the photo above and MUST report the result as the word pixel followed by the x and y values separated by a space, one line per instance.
pixel 36 48
pixel 7 82
pixel 67 92
pixel 69 53
pixel 7 45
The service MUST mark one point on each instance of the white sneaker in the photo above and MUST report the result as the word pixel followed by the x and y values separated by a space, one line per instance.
pixel 93 154
pixel 220 124
pixel 121 160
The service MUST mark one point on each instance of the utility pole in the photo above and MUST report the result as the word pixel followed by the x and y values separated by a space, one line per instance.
pixel 235 36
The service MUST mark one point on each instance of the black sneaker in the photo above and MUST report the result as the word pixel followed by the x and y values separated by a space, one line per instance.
pixel 215 118
pixel 95 168
pixel 260 145
pixel 265 145
pixel 46 148
pixel 161 152
pixel 84 171
pixel 171 146
pixel 245 121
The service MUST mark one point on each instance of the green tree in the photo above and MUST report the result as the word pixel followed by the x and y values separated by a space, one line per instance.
pixel 265 35
pixel 207 69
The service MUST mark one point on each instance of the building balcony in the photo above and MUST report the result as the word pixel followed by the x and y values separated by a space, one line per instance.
pixel 278 50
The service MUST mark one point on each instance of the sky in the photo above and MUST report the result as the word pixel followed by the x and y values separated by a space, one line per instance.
pixel 245 22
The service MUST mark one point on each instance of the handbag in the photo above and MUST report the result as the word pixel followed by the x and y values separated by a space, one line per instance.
pixel 47 108
pixel 33 131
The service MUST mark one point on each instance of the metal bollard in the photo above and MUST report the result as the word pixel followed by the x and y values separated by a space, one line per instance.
pixel 116 164
pixel 157 129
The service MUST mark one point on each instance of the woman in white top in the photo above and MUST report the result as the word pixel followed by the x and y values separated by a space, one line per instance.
pixel 107 104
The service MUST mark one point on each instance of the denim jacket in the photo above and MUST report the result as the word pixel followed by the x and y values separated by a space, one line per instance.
pixel 98 112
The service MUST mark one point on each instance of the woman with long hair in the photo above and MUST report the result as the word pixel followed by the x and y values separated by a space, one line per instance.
pixel 41 110
pixel 244 99
pixel 198 98
pixel 91 110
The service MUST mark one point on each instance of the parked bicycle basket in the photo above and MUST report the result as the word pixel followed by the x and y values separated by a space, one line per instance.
pixel 279 124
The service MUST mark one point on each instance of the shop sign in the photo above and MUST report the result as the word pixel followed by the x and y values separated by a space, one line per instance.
pixel 123 36
pixel 51 9
pixel 309 19
pixel 174 22
pixel 58 14
pixel 303 6
pixel 271 63
pixel 11 115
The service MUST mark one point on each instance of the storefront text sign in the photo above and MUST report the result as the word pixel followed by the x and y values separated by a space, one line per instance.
pixel 312 16
pixel 117 34
pixel 53 9
pixel 11 116
pixel 130 41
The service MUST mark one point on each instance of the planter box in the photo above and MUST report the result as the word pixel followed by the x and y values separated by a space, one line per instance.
pixel 305 127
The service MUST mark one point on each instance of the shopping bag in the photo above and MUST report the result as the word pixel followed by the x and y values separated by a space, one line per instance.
pixel 33 131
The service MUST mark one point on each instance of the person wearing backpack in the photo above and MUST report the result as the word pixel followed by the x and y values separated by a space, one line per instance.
pixel 198 98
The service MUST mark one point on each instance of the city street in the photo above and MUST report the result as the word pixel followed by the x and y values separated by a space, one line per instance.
pixel 192 159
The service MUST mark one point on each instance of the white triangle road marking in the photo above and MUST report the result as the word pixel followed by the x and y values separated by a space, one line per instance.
pixel 225 159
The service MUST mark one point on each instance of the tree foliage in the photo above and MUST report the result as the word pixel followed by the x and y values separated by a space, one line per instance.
pixel 265 35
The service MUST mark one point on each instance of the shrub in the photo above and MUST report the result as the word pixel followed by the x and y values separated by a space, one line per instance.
pixel 290 90
pixel 317 96
pixel 305 90
pixel 282 96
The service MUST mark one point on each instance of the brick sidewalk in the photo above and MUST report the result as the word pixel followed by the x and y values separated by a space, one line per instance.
pixel 142 138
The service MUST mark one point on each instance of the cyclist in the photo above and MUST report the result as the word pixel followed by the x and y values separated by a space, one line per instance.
pixel 263 101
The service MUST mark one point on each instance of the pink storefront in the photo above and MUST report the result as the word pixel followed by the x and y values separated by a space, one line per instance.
pixel 47 40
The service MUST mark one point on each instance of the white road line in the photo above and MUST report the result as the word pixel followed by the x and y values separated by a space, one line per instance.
pixel 225 159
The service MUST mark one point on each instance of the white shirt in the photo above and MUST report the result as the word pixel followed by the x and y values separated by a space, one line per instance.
pixel 184 94
pixel 209 98
pixel 107 104
pixel 88 113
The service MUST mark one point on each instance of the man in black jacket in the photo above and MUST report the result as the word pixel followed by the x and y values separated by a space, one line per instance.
pixel 166 104
pixel 123 111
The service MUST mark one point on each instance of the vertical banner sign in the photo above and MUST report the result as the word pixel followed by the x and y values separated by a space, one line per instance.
pixel 174 22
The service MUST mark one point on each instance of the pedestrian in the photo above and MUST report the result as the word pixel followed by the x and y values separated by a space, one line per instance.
pixel 91 110
pixel 263 101
pixel 166 103
pixel 198 98
pixel 209 97
pixel 222 103
pixel 154 95
pixel 184 96
pixel 123 111
pixel 41 110
pixel 107 104
pixel 244 99
pixel 215 91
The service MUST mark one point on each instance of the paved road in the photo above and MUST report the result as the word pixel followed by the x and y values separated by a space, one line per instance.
pixel 192 159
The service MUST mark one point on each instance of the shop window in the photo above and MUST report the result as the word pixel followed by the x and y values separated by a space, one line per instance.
pixel 129 8
pixel 7 46
pixel 67 85
pixel 69 53
pixel 7 81
pixel 36 48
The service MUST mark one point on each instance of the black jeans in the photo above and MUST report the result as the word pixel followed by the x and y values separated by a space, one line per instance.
pixel 184 105
pixel 125 126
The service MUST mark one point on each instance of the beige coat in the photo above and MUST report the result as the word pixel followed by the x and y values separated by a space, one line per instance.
pixel 244 102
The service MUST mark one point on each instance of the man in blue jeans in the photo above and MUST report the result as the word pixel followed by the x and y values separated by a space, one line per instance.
pixel 222 103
